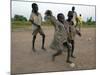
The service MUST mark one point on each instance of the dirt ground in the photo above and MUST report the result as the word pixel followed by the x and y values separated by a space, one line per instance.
pixel 24 60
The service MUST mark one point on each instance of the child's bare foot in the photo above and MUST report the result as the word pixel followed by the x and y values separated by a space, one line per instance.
pixel 44 48
pixel 68 61
pixel 73 56
pixel 53 58
pixel 34 50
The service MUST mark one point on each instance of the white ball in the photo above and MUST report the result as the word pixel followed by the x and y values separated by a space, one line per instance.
pixel 72 65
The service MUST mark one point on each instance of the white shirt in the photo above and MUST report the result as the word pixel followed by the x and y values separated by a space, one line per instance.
pixel 37 19
pixel 74 18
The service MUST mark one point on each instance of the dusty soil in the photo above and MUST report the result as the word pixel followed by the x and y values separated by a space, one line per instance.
pixel 24 60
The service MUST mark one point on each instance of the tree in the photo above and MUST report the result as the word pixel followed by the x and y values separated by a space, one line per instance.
pixel 19 18
pixel 90 21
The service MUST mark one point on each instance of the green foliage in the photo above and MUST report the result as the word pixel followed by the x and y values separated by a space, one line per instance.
pixel 20 24
pixel 90 21
pixel 28 25
pixel 19 18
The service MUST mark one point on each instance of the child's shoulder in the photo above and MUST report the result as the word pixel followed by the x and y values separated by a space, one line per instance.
pixel 66 22
pixel 39 13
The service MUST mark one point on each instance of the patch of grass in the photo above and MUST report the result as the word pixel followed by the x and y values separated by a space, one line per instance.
pixel 89 26
pixel 19 24
pixel 27 25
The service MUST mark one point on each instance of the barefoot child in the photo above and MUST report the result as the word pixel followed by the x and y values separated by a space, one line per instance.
pixel 72 32
pixel 74 19
pixel 36 19
pixel 80 21
pixel 60 36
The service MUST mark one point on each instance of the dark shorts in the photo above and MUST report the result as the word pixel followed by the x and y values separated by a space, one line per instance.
pixel 38 30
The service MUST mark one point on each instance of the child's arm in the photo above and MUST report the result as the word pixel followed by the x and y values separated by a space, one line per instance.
pixel 34 23
pixel 32 20
pixel 78 33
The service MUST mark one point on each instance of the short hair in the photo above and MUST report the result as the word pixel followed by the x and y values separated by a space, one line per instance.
pixel 48 12
pixel 34 4
pixel 73 8
pixel 60 14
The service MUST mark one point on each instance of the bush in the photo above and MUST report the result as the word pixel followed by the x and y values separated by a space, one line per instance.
pixel 90 21
pixel 19 18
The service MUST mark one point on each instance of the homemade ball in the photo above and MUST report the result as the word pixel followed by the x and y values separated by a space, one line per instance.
pixel 72 65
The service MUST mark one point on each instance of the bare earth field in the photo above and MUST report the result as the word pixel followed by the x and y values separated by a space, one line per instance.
pixel 24 60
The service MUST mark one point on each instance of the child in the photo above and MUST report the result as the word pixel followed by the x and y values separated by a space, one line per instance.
pixel 36 19
pixel 80 20
pixel 60 36
pixel 72 32
pixel 74 19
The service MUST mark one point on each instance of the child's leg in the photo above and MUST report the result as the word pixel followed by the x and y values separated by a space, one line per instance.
pixel 43 37
pixel 59 52
pixel 80 26
pixel 68 56
pixel 43 40
pixel 72 52
pixel 33 40
pixel 68 53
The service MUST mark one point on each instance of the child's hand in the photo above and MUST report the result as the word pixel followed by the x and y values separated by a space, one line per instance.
pixel 78 33
pixel 32 33
pixel 38 26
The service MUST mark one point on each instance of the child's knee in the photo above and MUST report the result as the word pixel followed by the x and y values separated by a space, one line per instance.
pixel 59 52
pixel 34 36
pixel 43 35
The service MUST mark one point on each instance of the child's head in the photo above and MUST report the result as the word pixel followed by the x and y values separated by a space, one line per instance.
pixel 70 15
pixel 61 17
pixel 73 8
pixel 80 15
pixel 35 7
pixel 48 13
